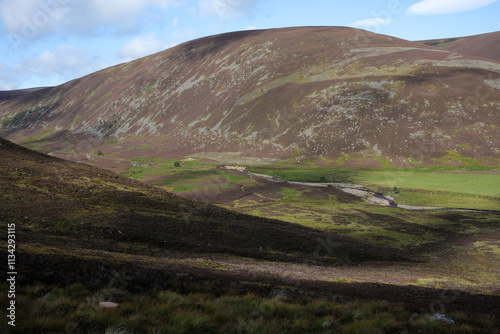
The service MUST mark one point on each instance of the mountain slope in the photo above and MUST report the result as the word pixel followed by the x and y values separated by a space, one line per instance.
pixel 338 93
pixel 483 45
pixel 59 203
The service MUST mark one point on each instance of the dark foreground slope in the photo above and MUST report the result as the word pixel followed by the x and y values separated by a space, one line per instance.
pixel 50 199
pixel 313 91
pixel 483 45
pixel 100 237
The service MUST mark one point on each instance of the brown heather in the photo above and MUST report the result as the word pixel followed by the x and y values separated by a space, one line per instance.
pixel 310 91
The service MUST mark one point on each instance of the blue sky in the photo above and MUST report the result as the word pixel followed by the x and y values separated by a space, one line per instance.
pixel 49 42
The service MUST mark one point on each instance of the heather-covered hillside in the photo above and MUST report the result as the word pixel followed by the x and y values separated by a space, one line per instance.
pixel 331 92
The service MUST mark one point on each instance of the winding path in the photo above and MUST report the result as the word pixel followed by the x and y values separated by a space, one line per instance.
pixel 356 190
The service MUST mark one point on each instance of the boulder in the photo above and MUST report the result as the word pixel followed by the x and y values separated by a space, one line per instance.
pixel 108 305
pixel 442 317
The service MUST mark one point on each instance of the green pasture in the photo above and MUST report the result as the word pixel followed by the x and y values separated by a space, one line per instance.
pixel 472 187
pixel 439 186
pixel 452 189
pixel 484 184
pixel 180 176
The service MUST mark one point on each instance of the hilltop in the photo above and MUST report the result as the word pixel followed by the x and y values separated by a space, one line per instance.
pixel 335 93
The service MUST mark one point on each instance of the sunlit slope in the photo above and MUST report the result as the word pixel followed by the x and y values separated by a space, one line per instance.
pixel 332 92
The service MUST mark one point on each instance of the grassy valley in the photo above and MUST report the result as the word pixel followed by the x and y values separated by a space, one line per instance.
pixel 459 187
pixel 429 235
pixel 439 186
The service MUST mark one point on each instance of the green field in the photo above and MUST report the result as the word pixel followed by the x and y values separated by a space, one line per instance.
pixel 466 190
pixel 469 188
pixel 438 186
pixel 462 187
pixel 485 184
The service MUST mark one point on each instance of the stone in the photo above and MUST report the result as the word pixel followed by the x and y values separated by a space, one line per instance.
pixel 108 305
pixel 443 318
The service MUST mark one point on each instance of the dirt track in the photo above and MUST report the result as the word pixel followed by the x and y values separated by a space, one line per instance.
pixel 356 190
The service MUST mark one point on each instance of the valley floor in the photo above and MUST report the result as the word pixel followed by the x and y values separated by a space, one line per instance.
pixel 285 251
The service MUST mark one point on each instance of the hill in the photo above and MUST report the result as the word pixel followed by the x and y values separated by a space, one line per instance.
pixel 483 45
pixel 331 92
pixel 86 235
pixel 51 199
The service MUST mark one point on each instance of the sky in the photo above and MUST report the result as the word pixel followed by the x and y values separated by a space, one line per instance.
pixel 50 42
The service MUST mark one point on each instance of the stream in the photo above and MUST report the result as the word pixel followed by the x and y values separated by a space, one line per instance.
pixel 356 190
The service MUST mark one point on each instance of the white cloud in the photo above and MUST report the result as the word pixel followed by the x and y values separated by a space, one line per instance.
pixel 63 59
pixel 50 67
pixel 31 24
pixel 436 7
pixel 32 19
pixel 141 46
pixel 227 9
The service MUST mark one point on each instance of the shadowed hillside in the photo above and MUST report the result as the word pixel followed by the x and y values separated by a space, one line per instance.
pixel 61 202
pixel 483 45
pixel 86 235
pixel 332 92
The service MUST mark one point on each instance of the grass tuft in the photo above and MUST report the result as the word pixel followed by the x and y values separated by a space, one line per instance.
pixel 169 311
pixel 117 329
